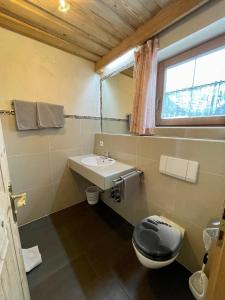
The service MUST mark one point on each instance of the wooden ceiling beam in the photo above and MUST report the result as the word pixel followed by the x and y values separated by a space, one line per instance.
pixel 167 16
pixel 18 26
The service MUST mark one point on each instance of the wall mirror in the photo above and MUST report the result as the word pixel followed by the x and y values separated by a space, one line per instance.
pixel 117 93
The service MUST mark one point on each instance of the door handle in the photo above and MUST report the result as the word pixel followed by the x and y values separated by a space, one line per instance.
pixel 20 199
pixel 17 201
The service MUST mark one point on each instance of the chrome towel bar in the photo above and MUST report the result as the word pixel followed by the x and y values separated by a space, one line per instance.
pixel 120 179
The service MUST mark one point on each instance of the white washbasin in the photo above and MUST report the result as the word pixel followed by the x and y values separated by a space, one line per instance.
pixel 99 170
pixel 97 161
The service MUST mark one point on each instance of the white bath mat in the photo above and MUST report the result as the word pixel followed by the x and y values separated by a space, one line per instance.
pixel 32 258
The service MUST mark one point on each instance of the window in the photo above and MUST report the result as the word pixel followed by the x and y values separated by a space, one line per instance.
pixel 191 87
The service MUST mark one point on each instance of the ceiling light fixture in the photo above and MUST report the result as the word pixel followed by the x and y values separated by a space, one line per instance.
pixel 63 6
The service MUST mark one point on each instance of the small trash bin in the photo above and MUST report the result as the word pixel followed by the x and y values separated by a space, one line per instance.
pixel 92 193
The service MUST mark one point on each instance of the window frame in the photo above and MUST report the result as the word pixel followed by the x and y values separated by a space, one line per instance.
pixel 205 47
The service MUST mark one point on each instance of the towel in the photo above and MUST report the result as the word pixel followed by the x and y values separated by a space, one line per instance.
pixel 130 185
pixel 50 115
pixel 26 114
pixel 32 258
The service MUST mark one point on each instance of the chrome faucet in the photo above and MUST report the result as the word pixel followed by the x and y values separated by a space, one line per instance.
pixel 107 154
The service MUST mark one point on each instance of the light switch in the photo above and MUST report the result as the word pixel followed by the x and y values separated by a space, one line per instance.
pixel 192 171
pixel 176 167
pixel 162 164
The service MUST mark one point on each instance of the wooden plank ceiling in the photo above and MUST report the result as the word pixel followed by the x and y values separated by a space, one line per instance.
pixel 90 29
pixel 97 30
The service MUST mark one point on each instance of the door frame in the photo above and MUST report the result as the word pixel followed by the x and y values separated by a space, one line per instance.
pixel 10 221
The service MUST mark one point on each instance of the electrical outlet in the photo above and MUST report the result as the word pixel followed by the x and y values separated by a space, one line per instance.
pixel 101 143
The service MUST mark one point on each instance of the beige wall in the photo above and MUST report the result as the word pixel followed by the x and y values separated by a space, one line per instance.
pixel 34 71
pixel 190 205
pixel 117 96
pixel 37 159
pixel 198 27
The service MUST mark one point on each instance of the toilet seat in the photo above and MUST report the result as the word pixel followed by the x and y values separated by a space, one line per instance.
pixel 157 240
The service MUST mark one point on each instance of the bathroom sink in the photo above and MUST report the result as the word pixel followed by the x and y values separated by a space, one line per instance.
pixel 99 170
pixel 97 161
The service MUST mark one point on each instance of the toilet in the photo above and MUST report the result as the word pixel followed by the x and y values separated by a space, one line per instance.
pixel 157 241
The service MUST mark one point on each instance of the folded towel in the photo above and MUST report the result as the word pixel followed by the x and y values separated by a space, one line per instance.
pixel 50 115
pixel 130 185
pixel 31 257
pixel 26 114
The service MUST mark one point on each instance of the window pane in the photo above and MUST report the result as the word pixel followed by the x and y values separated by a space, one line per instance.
pixel 210 68
pixel 180 76
pixel 196 88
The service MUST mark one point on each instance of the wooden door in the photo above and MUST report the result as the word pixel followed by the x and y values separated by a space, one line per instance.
pixel 216 287
pixel 13 281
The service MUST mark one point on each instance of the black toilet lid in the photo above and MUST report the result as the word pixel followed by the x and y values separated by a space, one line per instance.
pixel 156 239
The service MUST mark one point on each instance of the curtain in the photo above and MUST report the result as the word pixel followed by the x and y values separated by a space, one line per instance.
pixel 145 74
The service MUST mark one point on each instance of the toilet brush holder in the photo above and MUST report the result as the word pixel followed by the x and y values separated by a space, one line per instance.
pixel 198 283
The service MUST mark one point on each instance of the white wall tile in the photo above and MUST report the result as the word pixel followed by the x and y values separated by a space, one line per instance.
pixel 38 160
pixel 190 205
pixel 39 204
pixel 29 171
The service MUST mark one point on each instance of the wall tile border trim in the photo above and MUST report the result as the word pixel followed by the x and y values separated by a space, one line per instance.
pixel 11 112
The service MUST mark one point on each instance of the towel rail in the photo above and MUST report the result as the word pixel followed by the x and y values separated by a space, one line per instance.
pixel 66 116
pixel 120 179
pixel 118 189
pixel 7 112
pixel 12 112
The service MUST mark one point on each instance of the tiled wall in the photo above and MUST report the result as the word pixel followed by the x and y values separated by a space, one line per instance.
pixel 115 126
pixel 33 71
pixel 190 205
pixel 38 164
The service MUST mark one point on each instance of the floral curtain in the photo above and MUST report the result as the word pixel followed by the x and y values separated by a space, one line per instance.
pixel 145 74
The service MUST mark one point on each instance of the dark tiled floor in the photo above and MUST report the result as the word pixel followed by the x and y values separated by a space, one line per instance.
pixel 87 254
